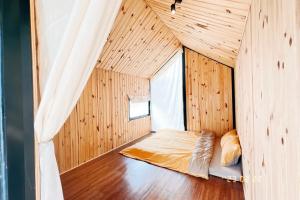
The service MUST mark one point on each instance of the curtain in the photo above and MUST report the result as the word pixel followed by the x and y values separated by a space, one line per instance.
pixel 166 96
pixel 71 37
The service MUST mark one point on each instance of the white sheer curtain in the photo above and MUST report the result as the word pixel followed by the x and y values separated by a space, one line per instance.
pixel 71 36
pixel 166 96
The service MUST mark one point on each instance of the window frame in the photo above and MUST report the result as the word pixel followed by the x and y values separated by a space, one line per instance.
pixel 140 116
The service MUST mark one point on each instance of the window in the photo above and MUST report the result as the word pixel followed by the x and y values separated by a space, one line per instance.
pixel 138 109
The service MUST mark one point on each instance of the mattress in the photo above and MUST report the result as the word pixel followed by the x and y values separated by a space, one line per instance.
pixel 182 151
pixel 175 150
pixel 216 169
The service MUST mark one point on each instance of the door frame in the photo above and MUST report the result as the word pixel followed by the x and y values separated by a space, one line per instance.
pixel 17 98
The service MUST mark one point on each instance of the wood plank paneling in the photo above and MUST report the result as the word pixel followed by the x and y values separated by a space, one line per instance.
pixel 208 94
pixel 244 108
pixel 139 43
pixel 213 28
pixel 100 120
pixel 268 100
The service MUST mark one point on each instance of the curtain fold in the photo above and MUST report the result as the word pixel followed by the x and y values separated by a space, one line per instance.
pixel 71 37
pixel 167 96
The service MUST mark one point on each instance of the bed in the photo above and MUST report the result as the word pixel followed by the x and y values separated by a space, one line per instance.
pixel 192 153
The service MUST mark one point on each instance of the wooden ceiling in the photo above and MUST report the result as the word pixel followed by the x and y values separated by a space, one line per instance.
pixel 213 28
pixel 139 43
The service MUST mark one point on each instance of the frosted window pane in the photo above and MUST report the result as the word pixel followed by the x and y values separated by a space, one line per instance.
pixel 138 109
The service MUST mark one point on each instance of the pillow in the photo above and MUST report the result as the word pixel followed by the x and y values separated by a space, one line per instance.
pixel 233 173
pixel 231 149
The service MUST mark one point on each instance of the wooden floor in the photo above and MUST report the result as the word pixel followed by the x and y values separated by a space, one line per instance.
pixel 115 177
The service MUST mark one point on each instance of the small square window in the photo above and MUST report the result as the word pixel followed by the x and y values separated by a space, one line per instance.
pixel 138 109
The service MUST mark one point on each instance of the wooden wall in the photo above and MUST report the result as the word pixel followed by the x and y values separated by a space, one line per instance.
pixel 267 80
pixel 213 28
pixel 99 122
pixel 139 43
pixel 208 94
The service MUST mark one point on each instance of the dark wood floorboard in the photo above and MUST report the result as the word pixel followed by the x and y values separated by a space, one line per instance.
pixel 115 177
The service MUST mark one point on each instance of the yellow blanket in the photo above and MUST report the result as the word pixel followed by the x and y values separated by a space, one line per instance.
pixel 174 150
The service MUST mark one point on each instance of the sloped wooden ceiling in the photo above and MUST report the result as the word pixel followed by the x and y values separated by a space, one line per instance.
pixel 213 28
pixel 139 43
